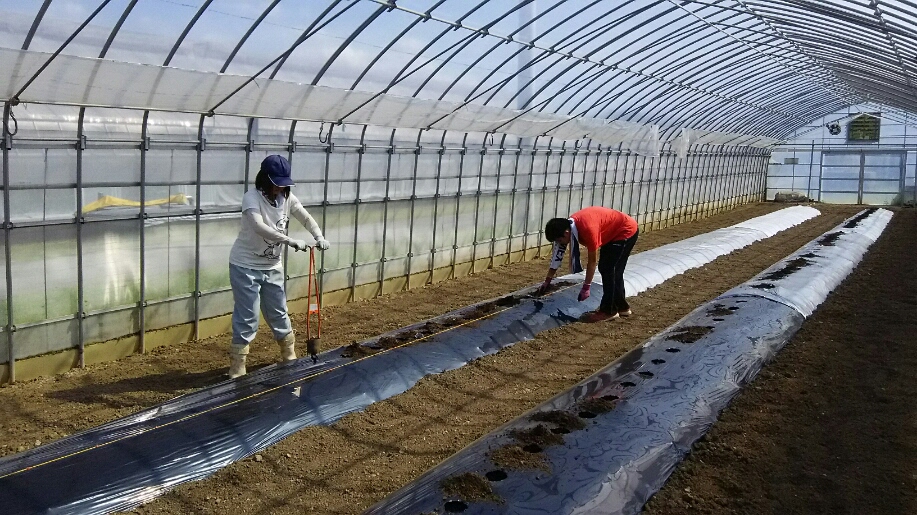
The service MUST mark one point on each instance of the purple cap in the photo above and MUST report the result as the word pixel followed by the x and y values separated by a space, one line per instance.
pixel 278 170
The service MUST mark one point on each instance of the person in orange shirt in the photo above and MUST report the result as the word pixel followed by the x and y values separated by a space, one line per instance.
pixel 595 228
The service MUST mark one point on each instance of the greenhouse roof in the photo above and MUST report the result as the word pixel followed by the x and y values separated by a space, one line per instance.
pixel 756 68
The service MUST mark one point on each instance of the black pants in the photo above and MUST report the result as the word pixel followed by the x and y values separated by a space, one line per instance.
pixel 612 260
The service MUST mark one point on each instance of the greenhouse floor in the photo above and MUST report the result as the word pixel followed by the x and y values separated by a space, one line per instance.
pixel 828 427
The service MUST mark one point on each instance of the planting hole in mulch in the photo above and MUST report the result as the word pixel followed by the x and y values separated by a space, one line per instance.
pixel 763 286
pixel 718 319
pixel 596 406
pixel 496 475
pixel 512 457
pixel 809 255
pixel 455 507
pixel 657 361
pixel 587 414
pixel 563 420
pixel 609 397
pixel 468 486
pixel 791 267
pixel 718 310
pixel 673 350
pixel 645 374
pixel 690 334
pixel 628 384
pixel 829 239
pixel 539 435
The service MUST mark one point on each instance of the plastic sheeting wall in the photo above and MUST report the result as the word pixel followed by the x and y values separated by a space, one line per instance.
pixel 392 203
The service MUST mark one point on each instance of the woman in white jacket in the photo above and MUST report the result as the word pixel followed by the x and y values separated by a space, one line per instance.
pixel 255 267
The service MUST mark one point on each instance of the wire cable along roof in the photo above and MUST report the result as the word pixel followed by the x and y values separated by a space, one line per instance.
pixel 746 72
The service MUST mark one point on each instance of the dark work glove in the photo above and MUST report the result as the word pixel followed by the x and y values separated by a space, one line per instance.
pixel 584 293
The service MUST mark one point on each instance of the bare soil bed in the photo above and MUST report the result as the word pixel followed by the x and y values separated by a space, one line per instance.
pixel 828 427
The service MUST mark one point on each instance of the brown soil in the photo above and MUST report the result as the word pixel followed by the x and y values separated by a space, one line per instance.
pixel 828 428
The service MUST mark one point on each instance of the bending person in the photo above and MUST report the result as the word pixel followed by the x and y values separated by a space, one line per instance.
pixel 596 227
pixel 255 267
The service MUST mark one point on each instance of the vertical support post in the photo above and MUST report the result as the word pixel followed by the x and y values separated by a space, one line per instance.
pixel 7 228
pixel 914 198
pixel 614 182
pixel 80 286
pixel 512 206
pixel 607 154
pixel 477 205
pixel 356 216
pixel 417 149
pixel 201 144
pixel 862 176
pixel 633 185
pixel 811 165
pixel 544 192
pixel 493 232
pixel 704 176
pixel 291 147
pixel 320 287
pixel 458 202
pixel 529 194
pixel 436 196
pixel 144 150
pixel 385 202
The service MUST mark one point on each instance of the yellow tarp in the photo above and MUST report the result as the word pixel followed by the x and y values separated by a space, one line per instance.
pixel 109 201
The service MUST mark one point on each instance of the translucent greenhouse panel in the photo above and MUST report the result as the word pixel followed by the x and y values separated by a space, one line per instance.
pixel 370 227
pixel 450 172
pixel 308 169
pixel 223 166
pixel 422 237
pixel 42 167
pixel 43 264
pixel 484 225
pixel 118 166
pixel 218 233
pixel 471 170
pixel 342 176
pixel 444 232
pixel 169 257
pixel 372 180
pixel 111 264
pixel 467 217
pixel 401 182
pixel 338 230
pixel 171 166
pixel 397 238
pixel 427 171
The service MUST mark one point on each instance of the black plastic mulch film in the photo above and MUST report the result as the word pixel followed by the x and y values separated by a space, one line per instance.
pixel 120 465
pixel 609 443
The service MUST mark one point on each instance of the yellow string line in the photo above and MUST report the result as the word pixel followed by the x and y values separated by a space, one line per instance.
pixel 188 417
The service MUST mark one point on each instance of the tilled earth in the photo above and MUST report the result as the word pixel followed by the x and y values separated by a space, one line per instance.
pixel 827 428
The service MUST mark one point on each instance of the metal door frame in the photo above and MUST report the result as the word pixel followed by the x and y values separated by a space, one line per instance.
pixel 902 172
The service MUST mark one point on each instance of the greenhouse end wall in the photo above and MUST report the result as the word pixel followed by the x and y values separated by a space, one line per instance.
pixel 123 226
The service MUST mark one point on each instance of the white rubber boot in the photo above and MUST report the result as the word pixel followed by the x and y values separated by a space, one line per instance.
pixel 287 347
pixel 237 355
